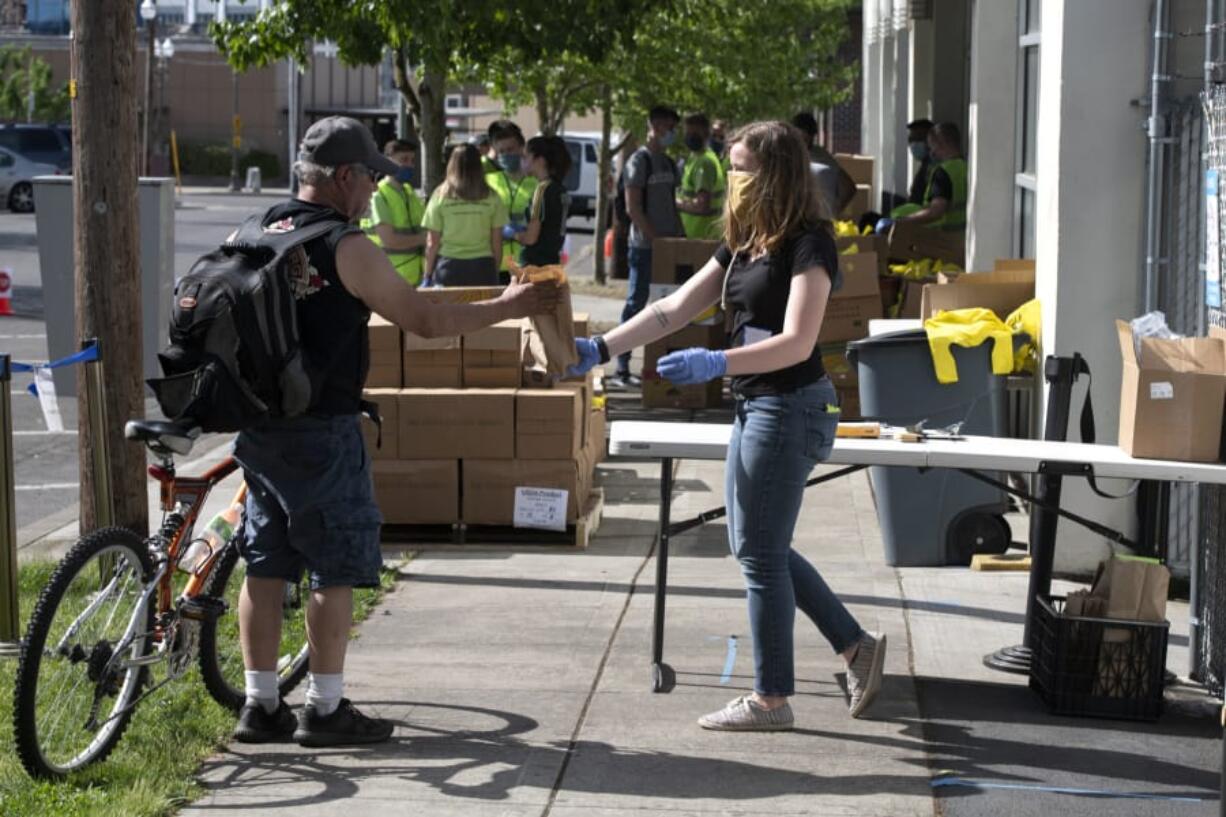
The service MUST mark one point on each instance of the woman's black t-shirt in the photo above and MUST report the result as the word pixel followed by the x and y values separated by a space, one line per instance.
pixel 549 204
pixel 756 300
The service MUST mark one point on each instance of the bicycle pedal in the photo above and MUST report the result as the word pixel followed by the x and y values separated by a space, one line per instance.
pixel 203 608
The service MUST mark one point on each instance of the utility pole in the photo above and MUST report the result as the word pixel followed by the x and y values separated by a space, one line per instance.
pixel 236 140
pixel 106 243
pixel 148 13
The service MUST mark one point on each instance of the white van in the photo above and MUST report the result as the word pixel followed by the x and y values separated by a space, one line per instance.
pixel 582 178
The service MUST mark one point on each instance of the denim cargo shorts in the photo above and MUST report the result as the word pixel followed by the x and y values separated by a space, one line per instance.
pixel 310 502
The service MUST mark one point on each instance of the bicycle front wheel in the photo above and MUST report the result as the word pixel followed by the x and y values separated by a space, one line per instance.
pixel 80 671
pixel 221 654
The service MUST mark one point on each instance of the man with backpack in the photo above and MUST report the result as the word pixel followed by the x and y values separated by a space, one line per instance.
pixel 310 503
pixel 649 184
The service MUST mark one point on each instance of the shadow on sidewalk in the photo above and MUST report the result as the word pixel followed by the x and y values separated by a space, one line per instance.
pixel 491 765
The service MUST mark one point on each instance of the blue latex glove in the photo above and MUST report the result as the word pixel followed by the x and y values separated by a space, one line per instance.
pixel 589 356
pixel 883 225
pixel 695 365
pixel 510 229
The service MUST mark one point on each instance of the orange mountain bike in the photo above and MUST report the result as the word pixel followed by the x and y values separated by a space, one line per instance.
pixel 122 617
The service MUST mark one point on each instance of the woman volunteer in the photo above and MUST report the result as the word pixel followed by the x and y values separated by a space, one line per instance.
pixel 548 161
pixel 464 219
pixel 773 274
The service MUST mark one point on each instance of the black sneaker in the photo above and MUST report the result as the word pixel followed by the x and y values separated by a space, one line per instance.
pixel 344 727
pixel 624 380
pixel 257 725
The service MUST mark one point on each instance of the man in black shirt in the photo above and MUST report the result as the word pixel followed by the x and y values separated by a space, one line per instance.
pixel 310 504
pixel 917 144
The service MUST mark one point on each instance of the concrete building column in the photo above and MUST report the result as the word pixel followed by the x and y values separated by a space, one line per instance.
pixel 1089 228
pixel 870 113
pixel 991 133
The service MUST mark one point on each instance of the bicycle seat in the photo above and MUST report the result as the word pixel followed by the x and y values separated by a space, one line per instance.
pixel 162 436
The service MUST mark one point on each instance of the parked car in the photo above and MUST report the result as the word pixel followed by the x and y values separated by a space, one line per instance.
pixel 48 144
pixel 581 180
pixel 16 173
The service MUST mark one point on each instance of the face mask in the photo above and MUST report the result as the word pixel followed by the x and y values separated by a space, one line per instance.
pixel 406 175
pixel 694 143
pixel 717 146
pixel 667 138
pixel 510 162
pixel 919 150
pixel 738 187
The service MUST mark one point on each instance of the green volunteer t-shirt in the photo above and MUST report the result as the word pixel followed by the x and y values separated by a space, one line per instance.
pixel 464 226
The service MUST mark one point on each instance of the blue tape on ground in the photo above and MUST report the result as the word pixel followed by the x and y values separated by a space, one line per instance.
pixel 729 661
pixel 985 784
pixel 83 356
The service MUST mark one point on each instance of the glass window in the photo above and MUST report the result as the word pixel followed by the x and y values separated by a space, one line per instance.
pixel 1030 109
pixel 6 160
pixel 575 149
pixel 590 153
pixel 42 141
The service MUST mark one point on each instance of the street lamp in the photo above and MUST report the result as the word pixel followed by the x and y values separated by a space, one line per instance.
pixel 149 13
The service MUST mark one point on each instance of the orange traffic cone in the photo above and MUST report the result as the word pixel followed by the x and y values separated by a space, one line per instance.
pixel 608 243
pixel 6 290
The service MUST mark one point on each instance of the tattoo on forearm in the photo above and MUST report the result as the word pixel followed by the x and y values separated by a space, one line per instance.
pixel 659 313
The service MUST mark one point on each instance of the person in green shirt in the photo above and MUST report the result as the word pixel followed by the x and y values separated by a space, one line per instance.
pixel 511 181
pixel 396 213
pixel 700 200
pixel 464 220
pixel 944 204
pixel 719 138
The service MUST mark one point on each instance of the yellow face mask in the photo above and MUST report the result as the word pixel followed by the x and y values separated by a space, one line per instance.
pixel 738 188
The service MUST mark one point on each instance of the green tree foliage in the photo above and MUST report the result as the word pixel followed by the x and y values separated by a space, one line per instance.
pixel 431 41
pixel 23 75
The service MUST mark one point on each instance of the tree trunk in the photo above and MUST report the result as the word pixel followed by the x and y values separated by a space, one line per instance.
pixel 545 119
pixel 106 244
pixel 400 74
pixel 603 170
pixel 432 93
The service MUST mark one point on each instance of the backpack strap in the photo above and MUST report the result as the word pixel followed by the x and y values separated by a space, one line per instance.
pixel 251 236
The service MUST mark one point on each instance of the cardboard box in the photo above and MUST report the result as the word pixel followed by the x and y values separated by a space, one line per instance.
pixel 860 168
pixel 388 402
pixel 1002 292
pixel 436 424
pixel 910 297
pixel 586 388
pixel 915 241
pixel 549 423
pixel 849 403
pixel 860 203
pixel 418 492
pixel 493 356
pixel 487 493
pixel 1013 264
pixel 583 324
pixel 1172 395
pixel 385 363
pixel 837 366
pixel 597 444
pixel 854 304
pixel 659 393
pixel 433 369
pixel 674 260
pixel 878 244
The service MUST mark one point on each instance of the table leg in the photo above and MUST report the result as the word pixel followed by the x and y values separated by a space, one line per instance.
pixel 662 676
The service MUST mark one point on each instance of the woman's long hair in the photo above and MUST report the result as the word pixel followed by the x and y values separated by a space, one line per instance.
pixel 782 198
pixel 553 150
pixel 465 178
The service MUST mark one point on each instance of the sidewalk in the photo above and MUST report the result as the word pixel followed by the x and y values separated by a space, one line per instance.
pixel 520 685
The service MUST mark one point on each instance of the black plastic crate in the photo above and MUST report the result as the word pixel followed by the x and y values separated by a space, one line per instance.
pixel 1099 667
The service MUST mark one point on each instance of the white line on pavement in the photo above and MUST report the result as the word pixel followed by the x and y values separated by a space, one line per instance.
pixel 49 486
pixel 23 337
pixel 44 433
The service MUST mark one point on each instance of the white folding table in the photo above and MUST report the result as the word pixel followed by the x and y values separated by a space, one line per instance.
pixel 975 456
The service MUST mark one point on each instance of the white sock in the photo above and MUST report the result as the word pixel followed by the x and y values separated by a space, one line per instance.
pixel 324 691
pixel 262 689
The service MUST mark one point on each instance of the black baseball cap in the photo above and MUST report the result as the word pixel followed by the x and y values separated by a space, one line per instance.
pixel 341 140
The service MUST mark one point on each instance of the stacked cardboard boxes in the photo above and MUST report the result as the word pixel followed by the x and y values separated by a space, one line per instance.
pixel 848 312
pixel 459 435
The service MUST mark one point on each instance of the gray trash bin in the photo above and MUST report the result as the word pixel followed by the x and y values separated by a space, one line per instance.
pixel 941 516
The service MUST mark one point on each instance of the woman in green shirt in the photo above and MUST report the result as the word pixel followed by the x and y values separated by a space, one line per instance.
pixel 464 226
pixel 542 239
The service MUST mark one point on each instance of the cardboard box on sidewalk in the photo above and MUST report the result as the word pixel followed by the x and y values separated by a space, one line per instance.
pixel 433 369
pixel 388 402
pixel 660 393
pixel 860 203
pixel 860 168
pixel 487 494
pixel 417 492
pixel 493 355
pixel 673 262
pixel 1172 396
pixel 549 423
pixel 1002 292
pixel 456 423
pixel 459 295
pixel 597 444
pixel 583 324
pixel 855 303
pixel 909 240
pixel 1012 264
pixel 385 363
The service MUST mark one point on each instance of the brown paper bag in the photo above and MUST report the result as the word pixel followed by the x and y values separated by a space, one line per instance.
pixel 553 336
pixel 1137 590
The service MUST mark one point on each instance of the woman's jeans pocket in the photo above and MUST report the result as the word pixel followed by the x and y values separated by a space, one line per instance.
pixel 821 427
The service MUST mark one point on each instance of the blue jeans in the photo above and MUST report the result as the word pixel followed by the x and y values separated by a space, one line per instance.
pixel 776 441
pixel 639 260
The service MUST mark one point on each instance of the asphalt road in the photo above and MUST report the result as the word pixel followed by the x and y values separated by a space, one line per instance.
pixel 46 463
